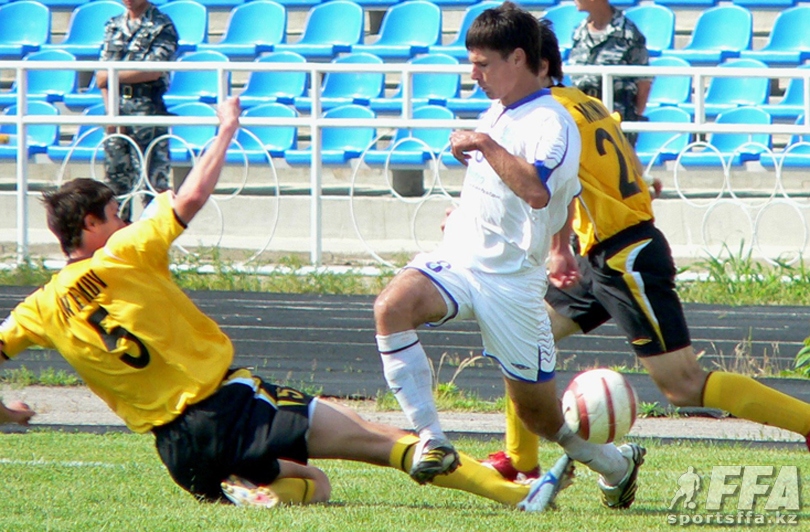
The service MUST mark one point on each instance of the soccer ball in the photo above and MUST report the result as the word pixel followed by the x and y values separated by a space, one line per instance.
pixel 600 405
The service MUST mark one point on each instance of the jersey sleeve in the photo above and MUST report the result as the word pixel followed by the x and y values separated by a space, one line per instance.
pixel 550 149
pixel 23 328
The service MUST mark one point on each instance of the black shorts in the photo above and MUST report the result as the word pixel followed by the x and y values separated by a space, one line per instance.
pixel 242 429
pixel 629 277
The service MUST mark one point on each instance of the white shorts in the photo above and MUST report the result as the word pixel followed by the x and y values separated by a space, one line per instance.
pixel 509 309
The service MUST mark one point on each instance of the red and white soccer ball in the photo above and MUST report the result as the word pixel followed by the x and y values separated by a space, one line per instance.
pixel 600 405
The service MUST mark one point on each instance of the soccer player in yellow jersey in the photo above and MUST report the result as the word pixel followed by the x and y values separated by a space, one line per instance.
pixel 163 366
pixel 624 270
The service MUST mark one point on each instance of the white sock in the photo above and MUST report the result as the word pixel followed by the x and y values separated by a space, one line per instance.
pixel 408 375
pixel 604 459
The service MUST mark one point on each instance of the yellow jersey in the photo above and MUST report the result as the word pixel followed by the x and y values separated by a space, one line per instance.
pixel 126 328
pixel 614 195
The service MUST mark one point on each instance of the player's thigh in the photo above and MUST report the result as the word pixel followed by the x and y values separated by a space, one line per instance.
pixel 636 284
pixel 433 289
pixel 515 328
pixel 409 300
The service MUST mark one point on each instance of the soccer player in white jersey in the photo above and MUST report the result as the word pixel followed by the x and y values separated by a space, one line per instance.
pixel 521 179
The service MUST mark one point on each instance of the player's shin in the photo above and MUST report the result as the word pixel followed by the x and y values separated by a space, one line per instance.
pixel 605 459
pixel 521 443
pixel 408 375
pixel 745 398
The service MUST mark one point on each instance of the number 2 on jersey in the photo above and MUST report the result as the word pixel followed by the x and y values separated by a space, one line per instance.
pixel 627 185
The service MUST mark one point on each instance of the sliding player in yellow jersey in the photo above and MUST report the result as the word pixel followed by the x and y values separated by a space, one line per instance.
pixel 163 366
pixel 624 270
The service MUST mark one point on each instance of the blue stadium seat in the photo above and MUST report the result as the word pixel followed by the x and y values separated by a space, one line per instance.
pixel 40 136
pixel 210 5
pixel 470 106
pixel 795 155
pixel 734 148
pixel 24 27
pixel 791 106
pixel 408 28
pixel 192 138
pixel 195 85
pixel 456 48
pixel 789 41
pixel 190 18
pixel 565 18
pixel 687 4
pixel 86 142
pixel 275 87
pixel 85 32
pixel 765 4
pixel 45 85
pixel 80 99
pixel 252 28
pixel 720 33
pixel 339 145
pixel 662 146
pixel 726 93
pixel 669 90
pixel 257 142
pixel 415 147
pixel 657 24
pixel 331 28
pixel 426 88
pixel 342 88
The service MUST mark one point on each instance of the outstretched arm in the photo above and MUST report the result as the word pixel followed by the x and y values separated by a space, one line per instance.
pixel 200 183
pixel 16 411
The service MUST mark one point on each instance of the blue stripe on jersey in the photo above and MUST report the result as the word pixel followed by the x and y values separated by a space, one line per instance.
pixel 530 97
pixel 544 172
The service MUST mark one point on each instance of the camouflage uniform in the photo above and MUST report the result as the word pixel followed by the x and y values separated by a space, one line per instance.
pixel 153 38
pixel 621 43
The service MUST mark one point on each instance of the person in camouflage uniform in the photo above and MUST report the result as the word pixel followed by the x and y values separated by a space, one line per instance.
pixel 143 33
pixel 607 37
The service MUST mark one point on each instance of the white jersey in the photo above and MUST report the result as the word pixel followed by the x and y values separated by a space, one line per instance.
pixel 494 230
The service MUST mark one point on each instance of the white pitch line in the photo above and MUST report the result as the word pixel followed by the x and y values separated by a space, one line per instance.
pixel 59 463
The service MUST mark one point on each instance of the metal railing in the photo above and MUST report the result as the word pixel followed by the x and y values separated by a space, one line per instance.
pixel 315 121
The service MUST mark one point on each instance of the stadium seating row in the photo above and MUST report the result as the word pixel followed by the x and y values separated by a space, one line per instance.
pixel 407 148
pixel 725 93
pixel 369 88
pixel 408 28
pixel 456 4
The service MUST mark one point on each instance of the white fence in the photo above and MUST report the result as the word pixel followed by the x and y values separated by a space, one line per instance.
pixel 722 192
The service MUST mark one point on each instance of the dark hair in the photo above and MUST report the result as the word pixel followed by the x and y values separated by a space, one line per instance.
pixel 550 50
pixel 504 29
pixel 67 207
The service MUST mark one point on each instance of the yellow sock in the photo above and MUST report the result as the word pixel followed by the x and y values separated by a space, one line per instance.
pixel 402 454
pixel 294 490
pixel 745 398
pixel 521 443
pixel 471 476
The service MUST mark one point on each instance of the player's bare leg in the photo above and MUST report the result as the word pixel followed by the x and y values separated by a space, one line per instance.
pixel 679 375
